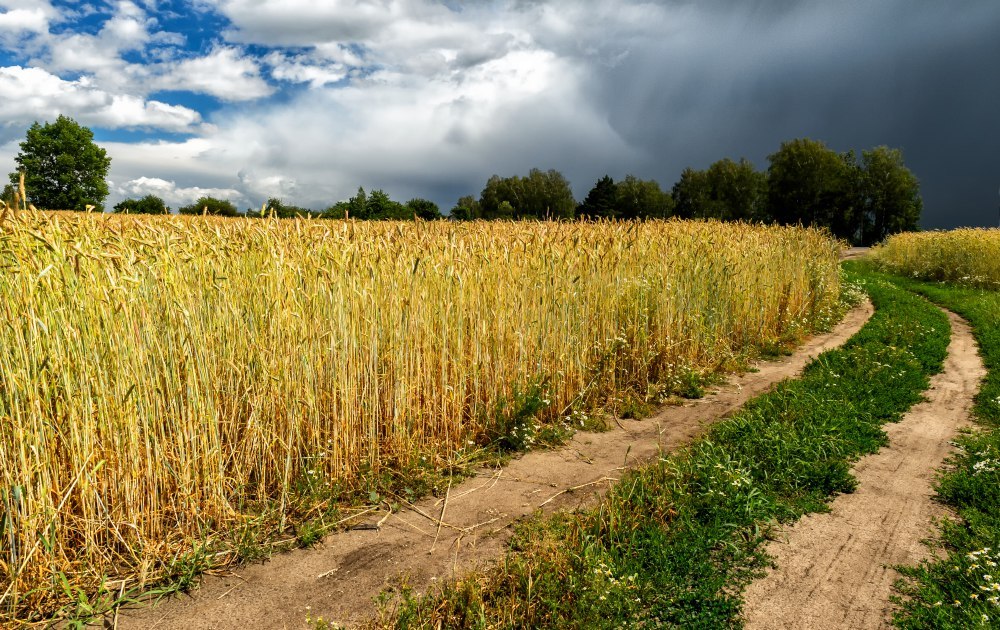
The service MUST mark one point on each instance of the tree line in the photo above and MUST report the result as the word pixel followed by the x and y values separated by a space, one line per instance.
pixel 861 199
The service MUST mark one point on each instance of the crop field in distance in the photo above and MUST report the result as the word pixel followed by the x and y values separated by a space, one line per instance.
pixel 965 256
pixel 163 378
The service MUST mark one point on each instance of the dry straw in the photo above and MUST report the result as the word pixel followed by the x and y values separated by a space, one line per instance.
pixel 159 375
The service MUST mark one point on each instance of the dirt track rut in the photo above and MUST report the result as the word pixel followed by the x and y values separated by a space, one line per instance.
pixel 834 570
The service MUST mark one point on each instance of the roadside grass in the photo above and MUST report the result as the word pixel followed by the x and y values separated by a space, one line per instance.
pixel 674 542
pixel 961 589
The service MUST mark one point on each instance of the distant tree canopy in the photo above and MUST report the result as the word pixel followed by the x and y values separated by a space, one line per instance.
pixel 378 206
pixel 275 207
pixel 9 195
pixel 862 202
pixel 640 199
pixel 150 204
pixel 539 195
pixel 806 182
pixel 810 184
pixel 887 196
pixel 63 168
pixel 728 190
pixel 466 209
pixel 423 209
pixel 600 202
pixel 211 205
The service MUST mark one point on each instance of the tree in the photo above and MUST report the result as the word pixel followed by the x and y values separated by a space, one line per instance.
pixel 466 209
pixel 9 195
pixel 540 195
pixel 423 209
pixel 63 168
pixel 692 195
pixel 150 204
pixel 600 201
pixel 888 196
pixel 811 184
pixel 339 210
pixel 357 206
pixel 737 191
pixel 546 195
pixel 641 199
pixel 381 207
pixel 500 190
pixel 211 205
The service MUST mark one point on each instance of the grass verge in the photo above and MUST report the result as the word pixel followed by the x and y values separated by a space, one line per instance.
pixel 675 541
pixel 962 588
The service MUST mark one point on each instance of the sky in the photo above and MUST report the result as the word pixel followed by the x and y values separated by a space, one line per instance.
pixel 306 100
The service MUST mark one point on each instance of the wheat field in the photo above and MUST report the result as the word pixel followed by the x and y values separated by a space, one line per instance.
pixel 969 256
pixel 159 376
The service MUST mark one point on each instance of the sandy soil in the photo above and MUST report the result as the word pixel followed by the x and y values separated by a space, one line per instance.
pixel 834 570
pixel 438 538
pixel 854 252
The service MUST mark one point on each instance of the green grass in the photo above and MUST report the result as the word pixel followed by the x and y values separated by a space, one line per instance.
pixel 962 590
pixel 674 542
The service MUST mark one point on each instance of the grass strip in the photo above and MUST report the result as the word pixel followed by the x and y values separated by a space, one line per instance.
pixel 962 589
pixel 675 541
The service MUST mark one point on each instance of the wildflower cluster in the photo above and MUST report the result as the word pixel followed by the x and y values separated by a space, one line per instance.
pixel 985 573
pixel 610 584
pixel 576 418
pixel 988 462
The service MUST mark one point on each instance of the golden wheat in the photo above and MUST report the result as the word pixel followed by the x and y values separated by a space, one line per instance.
pixel 159 375
pixel 968 256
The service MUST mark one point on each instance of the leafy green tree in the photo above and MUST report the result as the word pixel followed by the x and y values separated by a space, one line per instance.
pixel 466 209
pixel 497 191
pixel 811 184
pixel 150 204
pixel 600 201
pixel 211 205
pixel 9 195
pixel 737 191
pixel 641 199
pixel 692 195
pixel 547 195
pixel 539 195
pixel 357 206
pixel 64 169
pixel 380 206
pixel 423 209
pixel 339 210
pixel 888 196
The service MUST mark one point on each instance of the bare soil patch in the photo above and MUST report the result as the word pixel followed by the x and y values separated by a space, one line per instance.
pixel 834 570
pixel 853 253
pixel 442 538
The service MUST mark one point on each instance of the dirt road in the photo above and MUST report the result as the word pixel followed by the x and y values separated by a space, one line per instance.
pixel 834 570
pixel 438 539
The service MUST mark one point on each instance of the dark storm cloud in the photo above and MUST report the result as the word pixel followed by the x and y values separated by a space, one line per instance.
pixel 737 80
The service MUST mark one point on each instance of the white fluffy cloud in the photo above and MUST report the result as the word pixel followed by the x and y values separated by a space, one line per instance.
pixel 24 20
pixel 172 194
pixel 305 69
pixel 31 94
pixel 224 73
pixel 31 16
